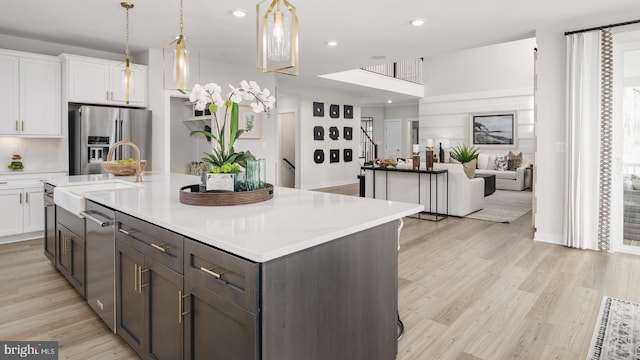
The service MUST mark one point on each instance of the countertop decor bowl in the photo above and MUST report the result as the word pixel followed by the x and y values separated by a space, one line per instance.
pixel 122 169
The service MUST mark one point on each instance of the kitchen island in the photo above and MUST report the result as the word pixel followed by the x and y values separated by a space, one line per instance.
pixel 305 275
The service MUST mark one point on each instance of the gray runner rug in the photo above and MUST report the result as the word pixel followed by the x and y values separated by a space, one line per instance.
pixel 504 206
pixel 617 332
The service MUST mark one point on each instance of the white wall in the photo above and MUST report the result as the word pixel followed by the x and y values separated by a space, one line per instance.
pixel 503 66
pixel 488 79
pixel 448 117
pixel 327 174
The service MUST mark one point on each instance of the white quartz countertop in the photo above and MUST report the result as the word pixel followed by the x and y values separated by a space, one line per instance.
pixel 292 221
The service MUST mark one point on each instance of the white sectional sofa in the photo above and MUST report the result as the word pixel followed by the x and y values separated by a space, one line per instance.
pixel 518 179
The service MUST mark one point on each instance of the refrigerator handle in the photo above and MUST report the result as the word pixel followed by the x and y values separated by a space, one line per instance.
pixel 121 149
pixel 117 138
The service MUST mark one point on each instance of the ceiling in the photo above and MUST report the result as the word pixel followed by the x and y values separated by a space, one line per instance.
pixel 364 29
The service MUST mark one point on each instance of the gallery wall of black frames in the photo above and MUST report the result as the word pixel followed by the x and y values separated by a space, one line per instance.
pixel 333 132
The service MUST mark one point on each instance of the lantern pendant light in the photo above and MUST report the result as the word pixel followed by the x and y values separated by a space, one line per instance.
pixel 127 79
pixel 181 62
pixel 277 37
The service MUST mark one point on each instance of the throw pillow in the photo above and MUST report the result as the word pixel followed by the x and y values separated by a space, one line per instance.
pixel 515 161
pixel 501 163
pixel 470 168
pixel 483 161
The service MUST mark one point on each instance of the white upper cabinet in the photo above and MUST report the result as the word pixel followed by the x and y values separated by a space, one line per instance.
pixel 98 81
pixel 9 94
pixel 30 87
pixel 40 97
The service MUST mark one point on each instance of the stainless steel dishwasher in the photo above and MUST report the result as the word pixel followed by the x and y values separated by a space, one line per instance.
pixel 100 261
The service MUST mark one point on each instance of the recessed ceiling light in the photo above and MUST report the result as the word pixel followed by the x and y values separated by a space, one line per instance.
pixel 417 22
pixel 239 13
pixel 389 101
pixel 332 43
pixel 378 57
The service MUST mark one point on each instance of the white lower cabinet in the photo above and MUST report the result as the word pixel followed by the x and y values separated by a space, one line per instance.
pixel 22 211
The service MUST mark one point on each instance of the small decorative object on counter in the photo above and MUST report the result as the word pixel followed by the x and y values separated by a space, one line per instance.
pixel 220 182
pixel 416 157
pixel 16 163
pixel 384 163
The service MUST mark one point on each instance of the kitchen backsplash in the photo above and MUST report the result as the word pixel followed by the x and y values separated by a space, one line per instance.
pixel 41 155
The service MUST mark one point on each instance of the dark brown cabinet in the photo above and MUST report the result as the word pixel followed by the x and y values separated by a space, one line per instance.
pixel 149 290
pixel 222 305
pixel 130 319
pixel 70 255
pixel 178 298
pixel 49 224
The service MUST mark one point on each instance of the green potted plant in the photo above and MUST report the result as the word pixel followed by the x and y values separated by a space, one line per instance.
pixel 223 157
pixel 467 156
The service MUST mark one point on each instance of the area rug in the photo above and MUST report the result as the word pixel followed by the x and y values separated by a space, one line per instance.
pixel 617 332
pixel 504 206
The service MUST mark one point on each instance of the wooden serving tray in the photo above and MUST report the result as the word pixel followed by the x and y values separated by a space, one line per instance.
pixel 191 195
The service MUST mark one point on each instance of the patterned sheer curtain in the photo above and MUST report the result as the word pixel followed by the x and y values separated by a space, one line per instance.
pixel 588 139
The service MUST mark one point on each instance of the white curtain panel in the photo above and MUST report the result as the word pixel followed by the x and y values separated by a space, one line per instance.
pixel 582 138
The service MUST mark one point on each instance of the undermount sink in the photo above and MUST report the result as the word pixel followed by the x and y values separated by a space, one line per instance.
pixel 71 197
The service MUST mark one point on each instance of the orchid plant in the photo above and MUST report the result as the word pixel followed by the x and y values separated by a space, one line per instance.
pixel 223 157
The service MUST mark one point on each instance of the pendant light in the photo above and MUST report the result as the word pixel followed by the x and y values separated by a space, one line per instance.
pixel 277 37
pixel 181 62
pixel 127 79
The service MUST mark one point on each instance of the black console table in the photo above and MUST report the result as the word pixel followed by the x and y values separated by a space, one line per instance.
pixel 434 211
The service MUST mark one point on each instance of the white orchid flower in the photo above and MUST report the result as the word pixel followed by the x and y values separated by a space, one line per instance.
pixel 196 93
pixel 212 88
pixel 244 85
pixel 254 87
pixel 257 108
pixel 200 105
pixel 236 97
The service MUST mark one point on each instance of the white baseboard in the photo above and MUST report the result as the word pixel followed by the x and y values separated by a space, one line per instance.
pixel 547 238
pixel 21 237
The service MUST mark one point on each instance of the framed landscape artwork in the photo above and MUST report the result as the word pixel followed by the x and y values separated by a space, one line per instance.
pixel 248 121
pixel 497 130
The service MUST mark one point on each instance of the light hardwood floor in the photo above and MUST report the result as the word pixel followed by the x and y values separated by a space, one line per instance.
pixel 468 289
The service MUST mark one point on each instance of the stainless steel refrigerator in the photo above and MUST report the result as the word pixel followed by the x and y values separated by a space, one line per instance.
pixel 94 129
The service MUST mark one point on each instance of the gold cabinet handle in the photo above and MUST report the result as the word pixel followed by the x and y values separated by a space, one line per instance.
pixel 26 198
pixel 211 272
pixel 180 312
pixel 20 198
pixel 127 232
pixel 140 285
pixel 135 277
pixel 17 128
pixel 22 125
pixel 159 247
pixel 107 94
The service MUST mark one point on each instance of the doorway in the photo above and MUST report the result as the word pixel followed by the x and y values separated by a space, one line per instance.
pixel 392 139
pixel 287 172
